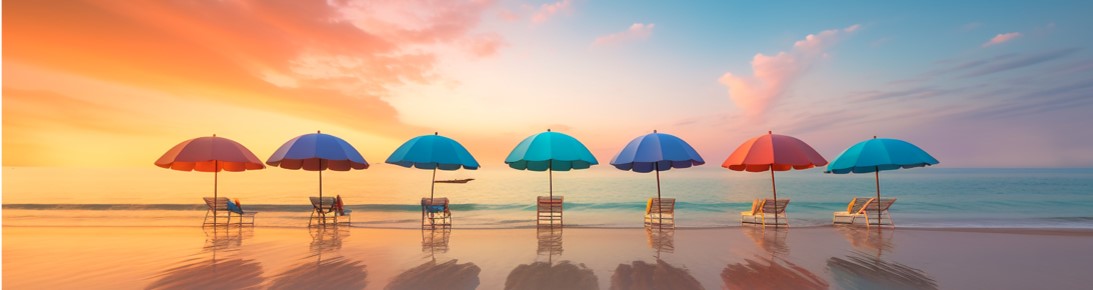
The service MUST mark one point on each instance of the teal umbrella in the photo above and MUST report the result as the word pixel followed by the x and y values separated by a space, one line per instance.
pixel 874 155
pixel 433 152
pixel 550 151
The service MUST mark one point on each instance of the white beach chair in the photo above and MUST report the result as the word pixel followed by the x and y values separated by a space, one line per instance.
pixel 766 212
pixel 660 212
pixel 225 212
pixel 323 210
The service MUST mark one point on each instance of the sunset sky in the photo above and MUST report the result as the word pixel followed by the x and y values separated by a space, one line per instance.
pixel 975 83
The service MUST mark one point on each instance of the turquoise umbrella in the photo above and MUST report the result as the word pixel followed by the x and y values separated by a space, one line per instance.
pixel 549 151
pixel 874 155
pixel 433 152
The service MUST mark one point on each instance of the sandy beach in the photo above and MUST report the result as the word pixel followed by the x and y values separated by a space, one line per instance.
pixel 528 258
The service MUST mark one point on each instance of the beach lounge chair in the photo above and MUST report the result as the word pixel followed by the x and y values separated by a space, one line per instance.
pixel 435 212
pixel 862 208
pixel 323 210
pixel 766 212
pixel 224 209
pixel 660 212
pixel 549 211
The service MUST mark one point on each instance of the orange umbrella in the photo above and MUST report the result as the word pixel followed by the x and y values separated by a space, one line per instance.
pixel 210 154
pixel 775 153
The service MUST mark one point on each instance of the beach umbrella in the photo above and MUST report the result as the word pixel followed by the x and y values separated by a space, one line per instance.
pixel 775 153
pixel 656 152
pixel 550 151
pixel 433 152
pixel 317 152
pixel 874 155
pixel 210 154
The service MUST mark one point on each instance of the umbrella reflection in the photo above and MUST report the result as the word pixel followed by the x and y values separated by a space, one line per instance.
pixel 545 275
pixel 863 271
pixel 223 273
pixel 431 275
pixel 769 273
pixel 640 275
pixel 336 273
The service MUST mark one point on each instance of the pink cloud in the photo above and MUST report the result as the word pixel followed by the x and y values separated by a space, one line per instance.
pixel 773 75
pixel 1002 38
pixel 484 45
pixel 546 11
pixel 637 31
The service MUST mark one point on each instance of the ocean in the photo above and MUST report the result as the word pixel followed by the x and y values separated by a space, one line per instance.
pixel 386 196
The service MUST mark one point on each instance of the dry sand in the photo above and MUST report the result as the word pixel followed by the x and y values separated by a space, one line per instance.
pixel 573 258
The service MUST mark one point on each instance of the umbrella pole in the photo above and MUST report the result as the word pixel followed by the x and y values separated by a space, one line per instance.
pixel 321 212
pixel 550 175
pixel 877 175
pixel 216 180
pixel 433 188
pixel 774 188
pixel 660 215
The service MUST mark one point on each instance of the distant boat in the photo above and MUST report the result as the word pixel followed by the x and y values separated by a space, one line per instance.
pixel 465 180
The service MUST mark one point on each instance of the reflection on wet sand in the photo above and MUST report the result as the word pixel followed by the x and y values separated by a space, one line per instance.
pixel 640 275
pixel 447 275
pixel 545 275
pixel 770 271
pixel 222 273
pixel 551 275
pixel 435 239
pixel 864 270
pixel 661 239
pixel 331 273
pixel 550 240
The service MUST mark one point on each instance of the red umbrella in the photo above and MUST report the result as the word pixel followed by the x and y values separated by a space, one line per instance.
pixel 210 154
pixel 775 153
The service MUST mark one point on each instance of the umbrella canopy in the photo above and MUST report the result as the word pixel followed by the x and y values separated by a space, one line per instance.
pixel 656 152
pixel 775 153
pixel 317 152
pixel 433 152
pixel 549 151
pixel 875 155
pixel 210 154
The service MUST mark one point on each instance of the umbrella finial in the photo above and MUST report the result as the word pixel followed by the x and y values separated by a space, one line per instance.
pixel 214 134
pixel 436 133
pixel 318 131
pixel 769 132
pixel 654 131
pixel 874 136
pixel 548 129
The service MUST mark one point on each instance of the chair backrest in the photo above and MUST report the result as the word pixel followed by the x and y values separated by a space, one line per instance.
pixel 884 204
pixel 770 206
pixel 425 201
pixel 327 202
pixel 548 204
pixel 218 203
pixel 661 205
pixel 857 204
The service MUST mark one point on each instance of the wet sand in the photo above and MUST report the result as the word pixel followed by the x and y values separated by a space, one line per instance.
pixel 572 258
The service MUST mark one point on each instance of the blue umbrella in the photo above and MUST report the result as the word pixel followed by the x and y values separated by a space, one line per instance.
pixel 656 152
pixel 549 151
pixel 433 152
pixel 317 152
pixel 874 155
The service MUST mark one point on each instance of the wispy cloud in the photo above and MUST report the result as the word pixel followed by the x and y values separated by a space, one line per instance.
pixel 773 74
pixel 548 10
pixel 637 31
pixel 1002 38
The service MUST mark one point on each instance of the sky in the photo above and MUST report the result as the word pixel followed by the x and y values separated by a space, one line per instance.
pixel 109 84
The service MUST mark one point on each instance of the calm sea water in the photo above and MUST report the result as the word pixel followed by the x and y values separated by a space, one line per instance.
pixel 708 196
